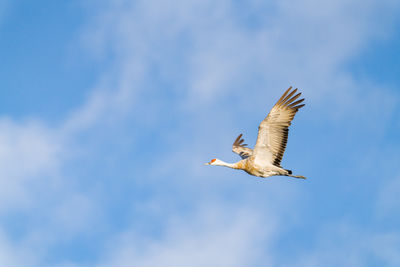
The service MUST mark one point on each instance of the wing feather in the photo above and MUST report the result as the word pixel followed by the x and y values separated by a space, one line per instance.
pixel 274 129
pixel 239 148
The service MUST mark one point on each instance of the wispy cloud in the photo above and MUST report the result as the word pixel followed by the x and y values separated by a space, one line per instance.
pixel 213 236
pixel 181 75
pixel 29 151
pixel 203 55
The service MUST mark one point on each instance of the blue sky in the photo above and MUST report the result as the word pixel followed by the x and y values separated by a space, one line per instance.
pixel 108 110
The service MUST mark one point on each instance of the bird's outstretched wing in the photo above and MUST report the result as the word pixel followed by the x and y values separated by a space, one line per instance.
pixel 273 130
pixel 240 148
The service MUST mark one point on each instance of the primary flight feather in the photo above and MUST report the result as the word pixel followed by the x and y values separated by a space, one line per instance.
pixel 265 159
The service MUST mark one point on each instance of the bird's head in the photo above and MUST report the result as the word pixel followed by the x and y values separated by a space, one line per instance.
pixel 212 162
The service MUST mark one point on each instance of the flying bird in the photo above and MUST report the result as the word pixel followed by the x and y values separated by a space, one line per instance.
pixel 265 159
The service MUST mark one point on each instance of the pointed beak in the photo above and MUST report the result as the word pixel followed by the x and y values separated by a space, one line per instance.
pixel 208 163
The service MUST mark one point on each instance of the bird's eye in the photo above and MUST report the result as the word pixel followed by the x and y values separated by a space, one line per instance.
pixel 213 160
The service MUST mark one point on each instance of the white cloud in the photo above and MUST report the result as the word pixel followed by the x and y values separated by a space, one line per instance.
pixel 300 41
pixel 202 54
pixel 29 151
pixel 195 54
pixel 39 205
pixel 212 237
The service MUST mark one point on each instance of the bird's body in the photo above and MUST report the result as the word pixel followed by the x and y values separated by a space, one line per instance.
pixel 251 167
pixel 264 160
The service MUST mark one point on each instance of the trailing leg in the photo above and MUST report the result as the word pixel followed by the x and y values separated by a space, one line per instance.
pixel 296 176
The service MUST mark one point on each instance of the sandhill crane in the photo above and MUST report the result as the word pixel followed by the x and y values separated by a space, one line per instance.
pixel 265 159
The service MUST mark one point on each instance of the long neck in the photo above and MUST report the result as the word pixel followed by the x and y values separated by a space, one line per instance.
pixel 225 164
